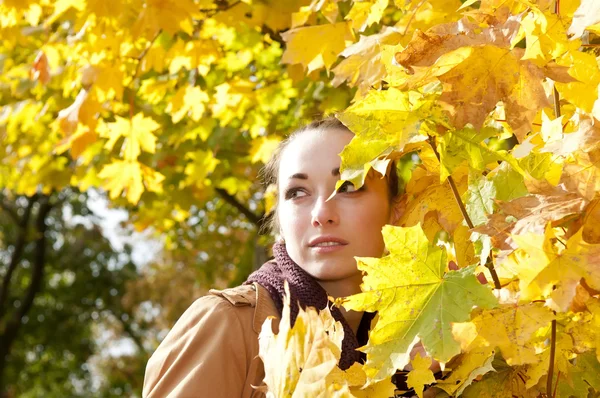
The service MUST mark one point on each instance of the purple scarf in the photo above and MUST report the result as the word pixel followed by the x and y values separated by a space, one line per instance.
pixel 305 290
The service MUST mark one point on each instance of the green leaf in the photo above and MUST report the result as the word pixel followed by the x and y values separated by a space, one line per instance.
pixel 415 298
pixel 508 183
pixel 479 198
pixel 467 145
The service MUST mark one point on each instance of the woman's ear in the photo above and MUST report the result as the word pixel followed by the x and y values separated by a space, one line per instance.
pixel 398 206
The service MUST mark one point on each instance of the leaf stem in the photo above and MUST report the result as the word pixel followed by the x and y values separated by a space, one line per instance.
pixel 489 265
pixel 552 355
pixel 553 332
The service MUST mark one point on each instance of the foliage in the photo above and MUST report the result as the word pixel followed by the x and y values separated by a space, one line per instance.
pixel 171 106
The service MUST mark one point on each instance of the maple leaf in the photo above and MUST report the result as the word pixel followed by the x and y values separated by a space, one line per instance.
pixel 383 122
pixel 420 375
pixel 138 133
pixel 505 382
pixel 263 148
pixel 584 69
pixel 478 69
pixel 586 138
pixel 297 359
pixel 363 66
pixel 188 99
pixel 509 184
pixel 315 47
pixel 130 176
pixel 365 13
pixel 472 364
pixel 546 36
pixel 202 164
pixel 467 145
pixel 530 214
pixel 587 14
pixel 511 328
pixel 427 198
pixel 414 298
pixel 479 199
pixel 555 272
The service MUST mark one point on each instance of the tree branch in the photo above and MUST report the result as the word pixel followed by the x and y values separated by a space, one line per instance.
pixel 12 327
pixel 39 259
pixel 12 212
pixel 253 218
pixel 489 264
pixel 16 256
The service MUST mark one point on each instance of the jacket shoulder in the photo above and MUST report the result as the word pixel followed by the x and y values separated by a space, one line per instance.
pixel 238 296
pixel 253 295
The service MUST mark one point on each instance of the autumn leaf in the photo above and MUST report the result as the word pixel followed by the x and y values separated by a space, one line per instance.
pixel 587 14
pixel 315 47
pixel 363 64
pixel 554 272
pixel 138 133
pixel 365 13
pixel 297 359
pixel 510 328
pixel 415 298
pixel 420 375
pixel 130 176
pixel 472 364
pixel 505 382
pixel 383 122
pixel 467 145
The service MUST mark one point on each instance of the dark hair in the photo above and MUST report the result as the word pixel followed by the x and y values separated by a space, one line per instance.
pixel 271 170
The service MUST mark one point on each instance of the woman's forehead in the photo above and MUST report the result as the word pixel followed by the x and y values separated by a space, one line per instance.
pixel 313 151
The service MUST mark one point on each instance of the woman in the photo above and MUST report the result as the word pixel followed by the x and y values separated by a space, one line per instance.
pixel 212 350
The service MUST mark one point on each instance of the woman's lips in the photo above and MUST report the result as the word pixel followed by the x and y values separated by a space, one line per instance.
pixel 328 249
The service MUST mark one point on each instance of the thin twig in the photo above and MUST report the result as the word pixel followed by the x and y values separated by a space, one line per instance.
pixel 489 265
pixel 553 332
pixel 552 355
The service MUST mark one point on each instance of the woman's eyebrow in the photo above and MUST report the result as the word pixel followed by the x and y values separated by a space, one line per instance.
pixel 301 176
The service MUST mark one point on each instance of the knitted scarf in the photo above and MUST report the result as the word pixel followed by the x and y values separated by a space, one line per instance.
pixel 305 290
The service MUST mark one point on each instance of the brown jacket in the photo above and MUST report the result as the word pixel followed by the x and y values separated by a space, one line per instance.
pixel 212 351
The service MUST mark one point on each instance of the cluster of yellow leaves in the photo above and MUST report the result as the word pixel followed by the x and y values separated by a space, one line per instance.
pixel 499 101
pixel 301 360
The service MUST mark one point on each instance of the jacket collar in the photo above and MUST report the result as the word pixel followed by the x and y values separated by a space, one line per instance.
pixel 264 309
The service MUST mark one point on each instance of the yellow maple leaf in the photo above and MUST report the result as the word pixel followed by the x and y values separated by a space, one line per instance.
pixel 546 36
pixel 315 47
pixel 553 269
pixel 510 328
pixel 364 65
pixel 189 99
pixel 473 364
pixel 202 164
pixel 298 359
pixel 384 122
pixel 420 375
pixel 138 133
pixel 365 13
pixel 586 15
pixel 262 148
pixel 584 68
pixel 129 176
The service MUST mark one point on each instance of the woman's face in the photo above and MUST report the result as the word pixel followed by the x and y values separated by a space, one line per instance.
pixel 324 236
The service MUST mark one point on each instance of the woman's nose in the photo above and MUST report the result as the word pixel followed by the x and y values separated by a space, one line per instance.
pixel 324 212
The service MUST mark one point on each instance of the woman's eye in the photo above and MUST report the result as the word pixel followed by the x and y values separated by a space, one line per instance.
pixel 348 187
pixel 294 193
